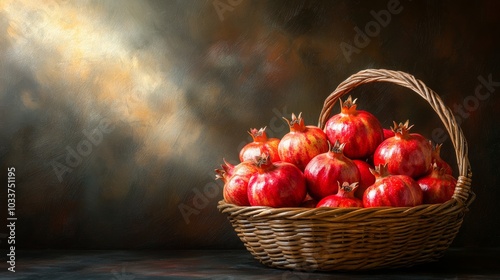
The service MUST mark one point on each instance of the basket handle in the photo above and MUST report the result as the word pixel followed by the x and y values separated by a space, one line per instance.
pixel 463 193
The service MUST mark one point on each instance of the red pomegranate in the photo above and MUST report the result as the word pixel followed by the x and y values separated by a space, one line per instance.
pixel 235 180
pixel 360 130
pixel 366 177
pixel 436 157
pixel 405 154
pixel 324 171
pixel 278 184
pixel 261 144
pixel 236 189
pixel 302 143
pixel 438 187
pixel 388 133
pixel 392 190
pixel 343 198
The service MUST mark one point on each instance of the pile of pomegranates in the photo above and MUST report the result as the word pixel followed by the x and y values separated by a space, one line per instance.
pixel 352 162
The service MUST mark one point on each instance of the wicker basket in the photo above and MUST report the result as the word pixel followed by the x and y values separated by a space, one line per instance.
pixel 326 239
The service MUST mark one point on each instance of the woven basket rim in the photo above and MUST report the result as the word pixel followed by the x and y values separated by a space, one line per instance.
pixel 340 214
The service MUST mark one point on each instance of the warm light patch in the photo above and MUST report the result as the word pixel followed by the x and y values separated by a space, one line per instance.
pixel 79 55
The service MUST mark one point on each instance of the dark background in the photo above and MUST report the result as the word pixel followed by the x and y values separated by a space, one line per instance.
pixel 174 86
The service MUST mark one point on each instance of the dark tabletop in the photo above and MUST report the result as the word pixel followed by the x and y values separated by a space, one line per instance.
pixel 223 264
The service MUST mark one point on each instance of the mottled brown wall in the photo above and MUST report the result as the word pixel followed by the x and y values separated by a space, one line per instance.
pixel 115 113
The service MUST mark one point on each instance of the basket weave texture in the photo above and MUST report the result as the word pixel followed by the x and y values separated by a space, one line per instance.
pixel 327 239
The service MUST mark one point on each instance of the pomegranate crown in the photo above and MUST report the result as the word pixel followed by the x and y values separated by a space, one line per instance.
pixel 258 135
pixel 380 171
pixel 263 160
pixel 297 122
pixel 436 149
pixel 401 128
pixel 336 148
pixel 348 106
pixel 347 188
pixel 436 170
pixel 225 172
